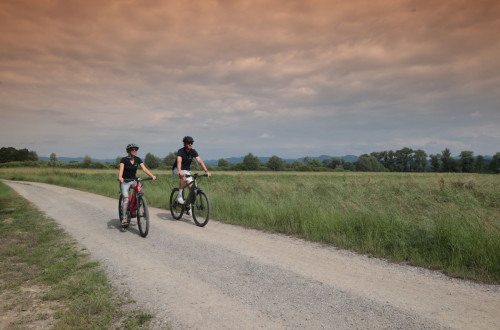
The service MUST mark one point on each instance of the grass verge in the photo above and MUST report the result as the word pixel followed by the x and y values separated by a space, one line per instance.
pixel 48 281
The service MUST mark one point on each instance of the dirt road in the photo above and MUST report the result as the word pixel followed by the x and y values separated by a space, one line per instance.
pixel 227 277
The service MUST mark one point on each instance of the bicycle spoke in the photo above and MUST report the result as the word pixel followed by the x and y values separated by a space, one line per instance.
pixel 201 209
pixel 176 209
pixel 142 216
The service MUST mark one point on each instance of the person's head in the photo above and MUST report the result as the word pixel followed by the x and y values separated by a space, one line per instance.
pixel 188 141
pixel 132 148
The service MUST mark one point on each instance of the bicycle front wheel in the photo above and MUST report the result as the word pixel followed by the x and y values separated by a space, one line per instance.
pixel 176 209
pixel 142 216
pixel 201 209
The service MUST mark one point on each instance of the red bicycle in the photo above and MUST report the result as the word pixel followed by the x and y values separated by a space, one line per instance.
pixel 137 207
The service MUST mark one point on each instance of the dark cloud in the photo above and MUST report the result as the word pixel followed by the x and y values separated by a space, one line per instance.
pixel 347 77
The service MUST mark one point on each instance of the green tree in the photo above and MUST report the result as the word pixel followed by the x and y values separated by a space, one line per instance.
pixel 7 154
pixel 419 161
pixel 349 166
pixel 435 162
pixel 251 162
pixel 467 161
pixel 479 165
pixel 335 163
pixel 87 162
pixel 296 164
pixel 404 158
pixel 223 163
pixel 169 160
pixel 314 162
pixel 367 163
pixel 32 156
pixel 152 161
pixel 52 160
pixel 275 163
pixel 11 154
pixel 447 161
pixel 495 163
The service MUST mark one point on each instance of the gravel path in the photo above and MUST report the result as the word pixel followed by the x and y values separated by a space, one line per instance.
pixel 227 277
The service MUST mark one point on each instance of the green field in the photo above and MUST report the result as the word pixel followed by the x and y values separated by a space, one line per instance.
pixel 449 222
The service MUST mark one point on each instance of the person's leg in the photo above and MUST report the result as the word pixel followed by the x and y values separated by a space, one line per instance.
pixel 125 187
pixel 189 183
pixel 182 179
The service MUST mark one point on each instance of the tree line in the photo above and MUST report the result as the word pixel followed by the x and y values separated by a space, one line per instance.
pixel 409 160
pixel 403 160
pixel 10 154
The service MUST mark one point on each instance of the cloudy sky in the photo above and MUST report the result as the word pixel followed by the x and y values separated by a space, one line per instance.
pixel 290 78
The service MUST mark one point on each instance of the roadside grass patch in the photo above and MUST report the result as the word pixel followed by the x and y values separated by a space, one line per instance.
pixel 47 281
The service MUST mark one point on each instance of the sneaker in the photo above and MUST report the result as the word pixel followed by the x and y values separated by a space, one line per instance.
pixel 180 200
pixel 189 212
pixel 124 221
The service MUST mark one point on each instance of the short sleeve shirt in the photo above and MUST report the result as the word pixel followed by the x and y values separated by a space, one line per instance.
pixel 130 169
pixel 187 158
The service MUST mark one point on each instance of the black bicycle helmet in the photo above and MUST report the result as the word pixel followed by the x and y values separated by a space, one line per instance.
pixel 187 139
pixel 132 145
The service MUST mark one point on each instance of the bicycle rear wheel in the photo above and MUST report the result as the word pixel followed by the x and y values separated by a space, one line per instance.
pixel 176 209
pixel 124 225
pixel 201 209
pixel 142 216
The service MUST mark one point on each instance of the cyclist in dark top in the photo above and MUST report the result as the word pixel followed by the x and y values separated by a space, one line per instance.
pixel 182 164
pixel 128 169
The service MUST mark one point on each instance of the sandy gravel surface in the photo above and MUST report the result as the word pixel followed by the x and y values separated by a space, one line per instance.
pixel 227 277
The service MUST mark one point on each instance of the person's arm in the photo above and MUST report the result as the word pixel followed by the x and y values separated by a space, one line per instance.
pixel 144 168
pixel 198 159
pixel 179 166
pixel 120 173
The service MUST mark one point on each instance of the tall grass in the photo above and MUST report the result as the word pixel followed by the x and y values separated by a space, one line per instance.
pixel 449 222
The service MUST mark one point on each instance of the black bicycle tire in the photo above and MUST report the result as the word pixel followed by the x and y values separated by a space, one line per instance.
pixel 144 213
pixel 201 206
pixel 175 209
pixel 124 225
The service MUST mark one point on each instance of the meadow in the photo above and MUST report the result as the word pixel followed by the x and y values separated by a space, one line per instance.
pixel 447 222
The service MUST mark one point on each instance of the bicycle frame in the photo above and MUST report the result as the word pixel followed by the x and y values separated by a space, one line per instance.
pixel 193 189
pixel 136 192
pixel 197 202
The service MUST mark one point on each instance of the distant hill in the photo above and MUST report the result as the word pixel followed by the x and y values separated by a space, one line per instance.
pixel 236 160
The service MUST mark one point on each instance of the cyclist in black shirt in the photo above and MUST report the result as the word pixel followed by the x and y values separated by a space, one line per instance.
pixel 182 164
pixel 128 169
